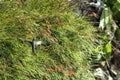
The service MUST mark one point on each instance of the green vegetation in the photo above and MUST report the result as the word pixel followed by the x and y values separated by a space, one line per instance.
pixel 49 20
pixel 115 7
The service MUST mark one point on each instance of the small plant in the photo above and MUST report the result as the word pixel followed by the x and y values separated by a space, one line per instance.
pixel 108 50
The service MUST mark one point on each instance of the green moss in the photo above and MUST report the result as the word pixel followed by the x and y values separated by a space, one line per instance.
pixel 72 41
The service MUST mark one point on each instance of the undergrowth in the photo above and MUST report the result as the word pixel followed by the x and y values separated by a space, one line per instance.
pixel 71 37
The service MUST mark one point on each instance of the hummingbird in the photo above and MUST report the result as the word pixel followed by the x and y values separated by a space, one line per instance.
pixel 35 43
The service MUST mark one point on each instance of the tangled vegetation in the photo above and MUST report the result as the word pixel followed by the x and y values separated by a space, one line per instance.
pixel 70 35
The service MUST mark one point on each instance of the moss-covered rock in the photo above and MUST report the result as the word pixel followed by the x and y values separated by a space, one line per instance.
pixel 53 21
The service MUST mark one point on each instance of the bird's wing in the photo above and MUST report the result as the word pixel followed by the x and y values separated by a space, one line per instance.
pixel 38 43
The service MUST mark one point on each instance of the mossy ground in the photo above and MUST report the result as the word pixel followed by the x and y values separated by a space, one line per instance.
pixel 71 36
